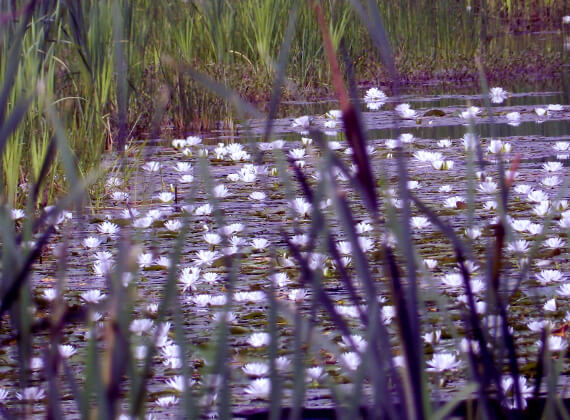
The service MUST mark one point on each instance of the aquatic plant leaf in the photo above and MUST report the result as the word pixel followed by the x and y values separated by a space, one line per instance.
pixel 435 113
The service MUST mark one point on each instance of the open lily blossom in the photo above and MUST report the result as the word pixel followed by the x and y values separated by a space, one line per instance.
pixel 497 95
pixel 442 362
pixel 405 111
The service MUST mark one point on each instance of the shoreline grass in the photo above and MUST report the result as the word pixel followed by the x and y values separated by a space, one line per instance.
pixel 71 49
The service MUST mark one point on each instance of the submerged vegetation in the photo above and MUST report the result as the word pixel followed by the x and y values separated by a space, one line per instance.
pixel 353 265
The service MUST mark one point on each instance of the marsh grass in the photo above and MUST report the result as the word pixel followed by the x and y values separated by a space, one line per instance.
pixel 107 66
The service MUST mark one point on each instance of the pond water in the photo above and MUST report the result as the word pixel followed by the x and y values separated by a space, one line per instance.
pixel 257 215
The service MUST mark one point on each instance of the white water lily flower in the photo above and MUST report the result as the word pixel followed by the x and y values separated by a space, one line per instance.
pixel 555 107
pixel 554 243
pixel 405 111
pixel 4 394
pixel 301 206
pixel 334 114
pixel 220 191
pixel 178 384
pixel 520 225
pixel 444 144
pixel 107 228
pixel 549 276
pixel 430 263
pixel 119 196
pixel 102 268
pixel 165 196
pixel 366 243
pixel 210 277
pixel 145 259
pixel 442 362
pixel 282 363
pixel 91 242
pixel 66 350
pixel 526 391
pixel 259 339
pixel 259 244
pixel 540 111
pixel 419 222
pixel 406 138
pixel 17 214
pixel 392 143
pixel 204 210
pixel 561 146
pixel 315 373
pixel 193 141
pixel 32 393
pixel 152 166
pixel 375 95
pixel 297 295
pixel 487 187
pixel 256 369
pixel 470 113
pixel 469 141
pixel 359 342
pixel 173 225
pixel 254 296
pixel 452 280
pixel 166 401
pixel 363 227
pixel 388 313
pixel 212 238
pixel 143 222
pixel 538 326
pixel 551 181
pixel 564 223
pixel 49 294
pixel 183 167
pixel 473 232
pixel 93 296
pixel 564 290
pixel 162 262
pixel 550 305
pixel 427 156
pixel 513 118
pixel 497 95
pixel 537 196
pixel 498 146
pixel 432 337
pixel 351 360
pixel 179 143
pixel 257 196
pixel 230 317
pixel 523 189
pixel 113 182
pixel 556 343
pixel 297 154
pixel 205 258
pixel 541 209
pixel 490 205
pixel 442 165
pixel 519 246
pixel 560 205
pixel 302 122
pixel 281 279
pixel 141 326
pixel 344 247
pixel 186 178
pixel 259 388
